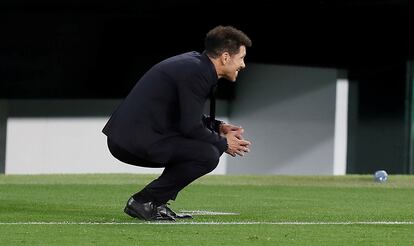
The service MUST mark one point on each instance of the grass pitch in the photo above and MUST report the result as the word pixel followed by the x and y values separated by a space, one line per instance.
pixel 272 210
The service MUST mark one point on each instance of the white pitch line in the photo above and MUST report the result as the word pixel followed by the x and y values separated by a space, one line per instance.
pixel 204 212
pixel 216 223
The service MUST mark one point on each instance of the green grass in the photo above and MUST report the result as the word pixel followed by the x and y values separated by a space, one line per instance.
pixel 101 198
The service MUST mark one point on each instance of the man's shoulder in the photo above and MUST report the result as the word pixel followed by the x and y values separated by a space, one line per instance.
pixel 189 62
pixel 192 57
pixel 188 66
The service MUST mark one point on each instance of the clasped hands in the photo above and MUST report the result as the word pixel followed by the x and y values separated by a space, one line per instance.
pixel 236 143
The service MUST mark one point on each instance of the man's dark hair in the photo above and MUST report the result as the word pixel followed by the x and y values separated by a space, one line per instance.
pixel 225 39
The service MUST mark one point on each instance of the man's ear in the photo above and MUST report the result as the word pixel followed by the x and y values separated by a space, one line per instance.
pixel 225 57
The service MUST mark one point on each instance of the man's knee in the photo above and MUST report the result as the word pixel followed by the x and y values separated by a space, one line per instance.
pixel 205 154
pixel 210 157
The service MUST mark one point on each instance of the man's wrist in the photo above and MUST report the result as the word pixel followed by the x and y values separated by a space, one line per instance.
pixel 220 126
pixel 217 126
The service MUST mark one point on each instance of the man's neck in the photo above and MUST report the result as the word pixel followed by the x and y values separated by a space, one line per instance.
pixel 217 65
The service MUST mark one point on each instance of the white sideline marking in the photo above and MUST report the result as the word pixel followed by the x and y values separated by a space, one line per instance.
pixel 204 212
pixel 216 223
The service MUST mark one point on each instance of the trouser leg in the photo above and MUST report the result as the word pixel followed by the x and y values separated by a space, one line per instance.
pixel 189 160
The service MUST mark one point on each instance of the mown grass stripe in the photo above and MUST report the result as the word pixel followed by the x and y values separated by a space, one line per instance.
pixel 217 223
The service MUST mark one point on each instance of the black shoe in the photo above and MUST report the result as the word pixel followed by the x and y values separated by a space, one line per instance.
pixel 145 211
pixel 164 210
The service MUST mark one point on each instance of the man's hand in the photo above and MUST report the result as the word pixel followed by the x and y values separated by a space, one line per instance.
pixel 226 128
pixel 236 144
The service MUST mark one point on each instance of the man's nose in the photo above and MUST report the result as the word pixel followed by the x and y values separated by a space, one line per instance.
pixel 242 65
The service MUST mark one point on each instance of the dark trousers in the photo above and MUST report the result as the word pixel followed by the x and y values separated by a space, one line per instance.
pixel 187 160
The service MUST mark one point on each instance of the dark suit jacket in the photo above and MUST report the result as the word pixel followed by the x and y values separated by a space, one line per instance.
pixel 167 101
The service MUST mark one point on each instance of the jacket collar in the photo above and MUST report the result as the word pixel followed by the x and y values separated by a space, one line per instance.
pixel 212 69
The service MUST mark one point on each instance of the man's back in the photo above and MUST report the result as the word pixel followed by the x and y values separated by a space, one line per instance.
pixel 153 110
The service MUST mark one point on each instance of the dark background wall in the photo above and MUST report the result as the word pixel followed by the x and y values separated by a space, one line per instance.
pixel 95 49
pixel 378 118
pixel 83 48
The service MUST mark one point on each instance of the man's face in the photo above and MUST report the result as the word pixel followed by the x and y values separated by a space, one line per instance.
pixel 234 64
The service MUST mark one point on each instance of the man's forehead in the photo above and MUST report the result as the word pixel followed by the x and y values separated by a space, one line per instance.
pixel 242 51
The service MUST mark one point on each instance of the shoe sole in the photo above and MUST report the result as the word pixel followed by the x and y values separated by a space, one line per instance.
pixel 184 217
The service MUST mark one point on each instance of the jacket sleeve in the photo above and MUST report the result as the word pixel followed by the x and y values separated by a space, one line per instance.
pixel 215 126
pixel 192 94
